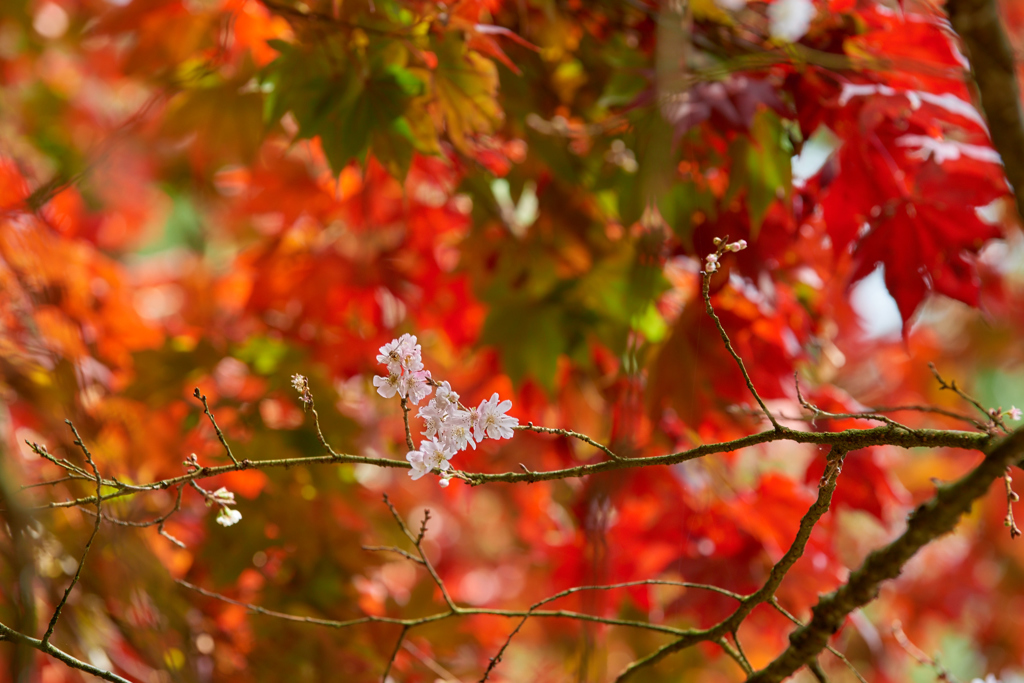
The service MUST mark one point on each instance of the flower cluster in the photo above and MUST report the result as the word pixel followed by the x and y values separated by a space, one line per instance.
pixel 450 426
pixel 711 263
pixel 406 376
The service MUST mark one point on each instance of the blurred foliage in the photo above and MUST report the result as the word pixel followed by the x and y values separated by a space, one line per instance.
pixel 223 193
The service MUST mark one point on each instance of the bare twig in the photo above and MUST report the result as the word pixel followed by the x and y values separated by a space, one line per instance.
pixel 394 654
pixel 826 487
pixel 706 289
pixel 429 662
pixel 393 549
pixel 818 412
pixel 95 529
pixel 408 432
pixel 568 433
pixel 216 428
pixel 54 482
pixel 929 521
pixel 9 634
pixel 815 668
pixel 850 439
pixel 941 672
pixel 735 654
pixel 928 409
pixel 418 542
pixel 839 655
pixel 993 417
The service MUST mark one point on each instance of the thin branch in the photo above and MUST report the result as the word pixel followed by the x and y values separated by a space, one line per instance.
pixel 95 529
pixel 818 412
pixel 319 432
pixel 929 521
pixel 282 615
pixel 994 418
pixel 41 451
pixel 216 428
pixel 141 525
pixel 408 432
pixel 530 427
pixel 394 654
pixel 928 409
pixel 439 616
pixel 941 672
pixel 826 487
pixel 706 289
pixel 53 482
pixel 815 668
pixel 849 440
pixel 569 591
pixel 9 634
pixel 782 610
pixel 393 549
pixel 418 542
pixel 735 654
pixel 429 662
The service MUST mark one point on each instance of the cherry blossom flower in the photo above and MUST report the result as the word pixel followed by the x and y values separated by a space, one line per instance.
pixel 447 399
pixel 413 386
pixel 458 432
pixel 228 517
pixel 431 455
pixel 788 20
pixel 401 355
pixel 391 356
pixel 433 417
pixel 410 353
pixel 1014 412
pixel 387 386
pixel 492 421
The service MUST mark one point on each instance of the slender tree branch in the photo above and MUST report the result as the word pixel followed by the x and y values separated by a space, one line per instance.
pixel 394 654
pixel 928 409
pixel 818 412
pixel 929 521
pixel 7 633
pixel 95 529
pixel 993 417
pixel 706 290
pixel 839 655
pixel 941 672
pixel 405 417
pixel 220 434
pixel 530 427
pixel 826 487
pixel 848 440
pixel 734 653
pixel 815 668
pixel 418 542
pixel 392 549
